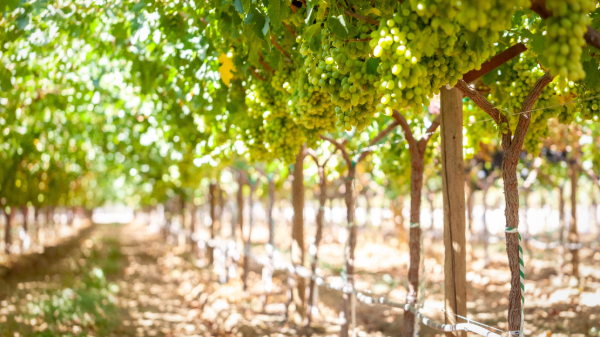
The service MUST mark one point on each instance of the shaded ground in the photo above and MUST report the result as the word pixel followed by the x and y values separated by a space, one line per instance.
pixel 125 281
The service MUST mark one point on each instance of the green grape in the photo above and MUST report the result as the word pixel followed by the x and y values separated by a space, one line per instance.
pixel 338 72
pixel 564 36
pixel 512 90
pixel 486 16
pixel 268 124
pixel 423 46
pixel 589 101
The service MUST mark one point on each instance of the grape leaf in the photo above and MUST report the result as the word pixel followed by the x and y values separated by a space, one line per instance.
pixel 275 13
pixel 315 43
pixel 312 31
pixel 138 7
pixel 310 14
pixel 265 29
pixel 239 7
pixel 538 43
pixel 258 22
pixel 592 73
pixel 595 18
pixel 372 65
pixel 340 27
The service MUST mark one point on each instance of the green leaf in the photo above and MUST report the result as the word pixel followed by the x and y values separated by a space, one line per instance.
pixel 265 29
pixel 340 27
pixel 239 7
pixel 372 65
pixel 275 13
pixel 592 73
pixel 22 21
pixel 538 43
pixel 312 31
pixel 310 16
pixel 138 7
pixel 315 43
pixel 258 22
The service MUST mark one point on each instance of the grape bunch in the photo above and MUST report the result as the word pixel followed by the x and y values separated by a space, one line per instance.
pixel 339 71
pixel 268 123
pixel 309 106
pixel 422 47
pixel 589 101
pixel 514 88
pixel 486 16
pixel 564 36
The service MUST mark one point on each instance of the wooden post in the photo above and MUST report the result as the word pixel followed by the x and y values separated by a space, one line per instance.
pixel 212 193
pixel 573 235
pixel 298 292
pixel 455 270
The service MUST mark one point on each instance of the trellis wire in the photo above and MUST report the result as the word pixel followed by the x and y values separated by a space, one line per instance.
pixel 364 297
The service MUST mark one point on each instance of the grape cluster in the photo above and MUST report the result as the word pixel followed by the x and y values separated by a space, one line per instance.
pixel 589 101
pixel 339 71
pixel 423 47
pixel 268 124
pixel 516 86
pixel 486 16
pixel 309 106
pixel 564 39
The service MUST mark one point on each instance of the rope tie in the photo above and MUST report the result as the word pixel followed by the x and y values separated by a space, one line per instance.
pixel 513 230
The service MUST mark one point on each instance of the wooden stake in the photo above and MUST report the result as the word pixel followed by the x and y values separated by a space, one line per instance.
pixel 298 237
pixel 455 268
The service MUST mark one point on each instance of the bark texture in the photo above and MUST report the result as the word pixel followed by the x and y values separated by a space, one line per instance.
pixel 248 241
pixel 7 230
pixel 350 247
pixel 212 194
pixel 453 177
pixel 511 150
pixel 319 234
pixel 298 291
pixel 573 233
pixel 417 159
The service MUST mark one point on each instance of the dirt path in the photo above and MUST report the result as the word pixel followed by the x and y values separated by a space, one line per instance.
pixel 126 281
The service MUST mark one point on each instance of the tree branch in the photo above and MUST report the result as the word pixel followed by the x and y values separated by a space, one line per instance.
pixel 489 180
pixel 262 62
pixel 313 154
pixel 478 99
pixel 525 116
pixel 489 108
pixel 590 173
pixel 377 138
pixel 256 74
pixel 290 29
pixel 361 17
pixel 340 147
pixel 496 61
pixel 429 133
pixel 412 143
pixel 278 46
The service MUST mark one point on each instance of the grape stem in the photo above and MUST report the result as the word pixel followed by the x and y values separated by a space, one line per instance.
pixel 278 46
pixel 361 17
pixel 262 62
pixel 592 36
pixel 359 40
pixel 290 29
pixel 256 74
